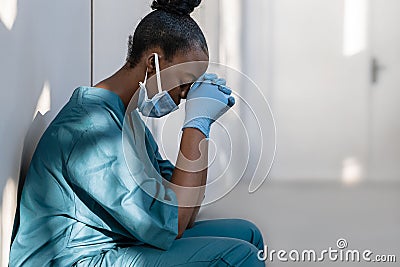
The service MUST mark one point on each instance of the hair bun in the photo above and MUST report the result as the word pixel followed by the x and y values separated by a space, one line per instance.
pixel 179 7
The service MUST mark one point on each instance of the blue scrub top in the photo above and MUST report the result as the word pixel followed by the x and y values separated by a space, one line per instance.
pixel 80 198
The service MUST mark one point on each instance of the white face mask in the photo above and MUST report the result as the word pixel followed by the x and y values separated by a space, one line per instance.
pixel 159 105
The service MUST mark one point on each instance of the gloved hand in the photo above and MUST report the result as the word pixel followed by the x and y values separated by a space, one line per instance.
pixel 206 101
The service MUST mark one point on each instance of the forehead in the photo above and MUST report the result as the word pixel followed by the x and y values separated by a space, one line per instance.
pixel 192 52
pixel 188 66
pixel 196 53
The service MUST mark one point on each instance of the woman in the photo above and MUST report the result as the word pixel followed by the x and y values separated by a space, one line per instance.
pixel 81 205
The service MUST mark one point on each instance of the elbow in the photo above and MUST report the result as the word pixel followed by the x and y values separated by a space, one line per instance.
pixel 183 220
pixel 179 235
pixel 181 230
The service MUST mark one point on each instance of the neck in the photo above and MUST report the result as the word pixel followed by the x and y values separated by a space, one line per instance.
pixel 124 82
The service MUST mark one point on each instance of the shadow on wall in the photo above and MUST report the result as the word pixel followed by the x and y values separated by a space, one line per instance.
pixel 31 140
pixel 45 55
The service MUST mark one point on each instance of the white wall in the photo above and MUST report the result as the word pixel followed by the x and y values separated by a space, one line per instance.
pixel 112 26
pixel 44 56
pixel 320 95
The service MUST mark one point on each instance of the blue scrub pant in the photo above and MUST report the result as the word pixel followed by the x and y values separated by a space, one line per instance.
pixel 219 242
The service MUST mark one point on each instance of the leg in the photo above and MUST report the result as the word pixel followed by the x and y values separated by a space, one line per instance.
pixel 234 228
pixel 185 252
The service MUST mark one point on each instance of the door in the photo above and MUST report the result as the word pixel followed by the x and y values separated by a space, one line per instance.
pixel 384 160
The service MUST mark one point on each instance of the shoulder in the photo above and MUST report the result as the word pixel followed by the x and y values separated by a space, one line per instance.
pixel 78 123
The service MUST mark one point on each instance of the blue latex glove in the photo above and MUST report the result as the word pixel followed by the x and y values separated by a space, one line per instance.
pixel 206 101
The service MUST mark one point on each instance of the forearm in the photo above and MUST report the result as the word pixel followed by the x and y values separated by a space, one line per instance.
pixel 190 171
pixel 201 198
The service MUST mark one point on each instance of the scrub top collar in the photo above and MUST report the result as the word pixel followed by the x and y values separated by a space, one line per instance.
pixel 84 94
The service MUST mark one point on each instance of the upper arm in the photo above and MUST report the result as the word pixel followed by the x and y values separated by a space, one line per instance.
pixel 140 203
pixel 165 166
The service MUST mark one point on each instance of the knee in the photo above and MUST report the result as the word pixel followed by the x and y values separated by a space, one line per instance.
pixel 255 235
pixel 241 253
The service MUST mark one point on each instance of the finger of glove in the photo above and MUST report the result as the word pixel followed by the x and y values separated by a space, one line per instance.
pixel 219 81
pixel 231 101
pixel 209 76
pixel 213 79
pixel 202 89
pixel 205 77
pixel 224 89
pixel 220 84
pixel 207 89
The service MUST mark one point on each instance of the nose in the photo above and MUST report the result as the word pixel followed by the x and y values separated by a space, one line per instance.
pixel 184 90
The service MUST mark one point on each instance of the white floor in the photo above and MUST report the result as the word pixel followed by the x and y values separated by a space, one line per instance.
pixel 314 215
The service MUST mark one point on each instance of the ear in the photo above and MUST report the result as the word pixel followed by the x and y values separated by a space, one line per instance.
pixel 150 63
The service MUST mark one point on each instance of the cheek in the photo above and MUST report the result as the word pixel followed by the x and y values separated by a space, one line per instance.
pixel 184 91
pixel 175 94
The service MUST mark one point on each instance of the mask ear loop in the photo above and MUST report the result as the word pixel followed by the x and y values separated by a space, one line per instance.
pixel 157 72
pixel 145 77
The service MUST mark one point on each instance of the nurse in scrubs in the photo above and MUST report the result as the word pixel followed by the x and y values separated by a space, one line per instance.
pixel 82 204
